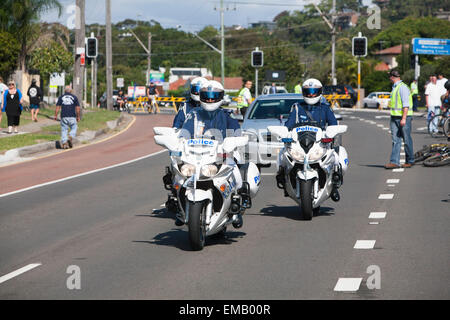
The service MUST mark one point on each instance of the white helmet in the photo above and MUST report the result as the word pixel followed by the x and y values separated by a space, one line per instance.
pixel 312 91
pixel 211 95
pixel 196 85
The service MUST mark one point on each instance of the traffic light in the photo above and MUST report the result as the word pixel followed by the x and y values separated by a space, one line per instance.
pixel 359 46
pixel 257 59
pixel 91 48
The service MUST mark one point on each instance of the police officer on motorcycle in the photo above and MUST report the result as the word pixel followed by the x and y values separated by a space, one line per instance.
pixel 191 103
pixel 313 111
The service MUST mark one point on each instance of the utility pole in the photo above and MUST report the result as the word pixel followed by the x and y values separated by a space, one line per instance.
pixel 78 77
pixel 332 26
pixel 222 44
pixel 109 80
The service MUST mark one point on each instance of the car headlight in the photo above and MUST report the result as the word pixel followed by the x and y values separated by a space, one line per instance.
pixel 297 154
pixel 187 170
pixel 209 170
pixel 316 153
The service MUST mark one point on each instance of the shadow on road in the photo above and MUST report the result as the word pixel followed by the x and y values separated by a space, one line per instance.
pixel 291 212
pixel 372 165
pixel 178 238
pixel 159 213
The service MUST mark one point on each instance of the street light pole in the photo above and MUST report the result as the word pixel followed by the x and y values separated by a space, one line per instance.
pixel 222 54
pixel 109 84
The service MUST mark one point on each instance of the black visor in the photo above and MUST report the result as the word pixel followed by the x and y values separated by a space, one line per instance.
pixel 311 92
pixel 215 96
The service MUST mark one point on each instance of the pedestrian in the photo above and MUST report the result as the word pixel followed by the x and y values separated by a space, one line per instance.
pixel 35 96
pixel 433 101
pixel 273 88
pixel 441 80
pixel 3 88
pixel 244 97
pixel 401 122
pixel 152 92
pixel 298 87
pixel 70 116
pixel 12 105
pixel 415 93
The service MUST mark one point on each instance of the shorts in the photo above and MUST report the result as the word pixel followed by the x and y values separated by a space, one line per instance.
pixel 13 121
pixel 34 106
pixel 151 98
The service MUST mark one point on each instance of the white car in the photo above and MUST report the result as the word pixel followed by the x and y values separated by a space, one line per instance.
pixel 280 89
pixel 377 100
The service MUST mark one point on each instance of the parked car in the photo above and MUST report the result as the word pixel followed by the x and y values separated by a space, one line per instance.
pixel 102 100
pixel 267 110
pixel 343 89
pixel 280 89
pixel 377 99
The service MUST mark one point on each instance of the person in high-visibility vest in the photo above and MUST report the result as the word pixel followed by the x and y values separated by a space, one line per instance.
pixel 298 87
pixel 244 97
pixel 414 92
pixel 401 118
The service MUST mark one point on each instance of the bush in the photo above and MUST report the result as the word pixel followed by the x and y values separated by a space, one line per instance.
pixel 376 81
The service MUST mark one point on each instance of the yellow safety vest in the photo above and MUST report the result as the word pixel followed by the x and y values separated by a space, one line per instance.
pixel 414 88
pixel 298 89
pixel 396 104
pixel 242 101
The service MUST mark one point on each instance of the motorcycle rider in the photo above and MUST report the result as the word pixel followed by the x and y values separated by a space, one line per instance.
pixel 210 121
pixel 191 103
pixel 313 111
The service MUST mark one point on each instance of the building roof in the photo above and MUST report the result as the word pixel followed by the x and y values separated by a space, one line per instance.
pixel 231 83
pixel 382 66
pixel 396 50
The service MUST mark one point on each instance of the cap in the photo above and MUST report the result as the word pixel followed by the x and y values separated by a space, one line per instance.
pixel 394 73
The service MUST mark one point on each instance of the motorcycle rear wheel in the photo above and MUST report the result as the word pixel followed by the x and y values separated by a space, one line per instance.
pixel 306 199
pixel 196 225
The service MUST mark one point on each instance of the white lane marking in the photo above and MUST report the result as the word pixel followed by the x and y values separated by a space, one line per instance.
pixel 19 272
pixel 385 128
pixel 377 215
pixel 402 154
pixel 364 244
pixel 374 223
pixel 391 185
pixel 268 174
pixel 80 174
pixel 381 117
pixel 352 117
pixel 348 284
pixel 163 205
pixel 398 170
pixel 392 180
pixel 386 196
pixel 380 125
pixel 422 129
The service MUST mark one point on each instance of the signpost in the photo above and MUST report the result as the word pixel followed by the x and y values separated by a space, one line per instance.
pixel 120 83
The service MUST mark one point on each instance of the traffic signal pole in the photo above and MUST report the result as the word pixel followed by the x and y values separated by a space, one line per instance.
pixel 359 83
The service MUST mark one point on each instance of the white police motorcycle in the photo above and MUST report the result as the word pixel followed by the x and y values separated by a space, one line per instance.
pixel 207 189
pixel 311 169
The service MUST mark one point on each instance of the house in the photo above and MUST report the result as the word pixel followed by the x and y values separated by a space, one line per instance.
pixel 232 84
pixel 389 55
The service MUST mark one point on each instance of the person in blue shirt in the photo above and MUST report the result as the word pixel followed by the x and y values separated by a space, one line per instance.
pixel 314 109
pixel 210 120
pixel 70 116
pixel 191 103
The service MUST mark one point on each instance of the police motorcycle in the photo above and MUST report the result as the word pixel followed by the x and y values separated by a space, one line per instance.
pixel 311 167
pixel 206 185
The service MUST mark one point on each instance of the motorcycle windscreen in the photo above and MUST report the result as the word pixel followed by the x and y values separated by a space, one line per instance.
pixel 307 140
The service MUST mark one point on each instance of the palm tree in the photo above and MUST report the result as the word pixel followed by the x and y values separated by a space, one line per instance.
pixel 19 17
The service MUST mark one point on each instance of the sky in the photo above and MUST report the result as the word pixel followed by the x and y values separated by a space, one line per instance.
pixel 188 15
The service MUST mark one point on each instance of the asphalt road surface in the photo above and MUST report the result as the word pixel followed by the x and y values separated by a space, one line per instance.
pixel 111 227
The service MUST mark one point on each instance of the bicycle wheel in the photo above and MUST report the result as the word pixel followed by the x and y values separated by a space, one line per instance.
pixel 438 160
pixel 446 127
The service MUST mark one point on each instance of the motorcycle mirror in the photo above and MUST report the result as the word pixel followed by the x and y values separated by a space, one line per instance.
pixel 333 131
pixel 231 143
pixel 165 131
pixel 169 142
pixel 280 131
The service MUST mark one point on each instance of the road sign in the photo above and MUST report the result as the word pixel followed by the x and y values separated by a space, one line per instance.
pixel 82 59
pixel 431 46
pixel 57 79
pixel 157 77
pixel 120 83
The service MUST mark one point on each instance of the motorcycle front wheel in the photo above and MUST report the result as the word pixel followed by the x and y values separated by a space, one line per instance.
pixel 306 199
pixel 196 225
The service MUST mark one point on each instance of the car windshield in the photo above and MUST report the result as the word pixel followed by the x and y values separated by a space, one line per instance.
pixel 272 109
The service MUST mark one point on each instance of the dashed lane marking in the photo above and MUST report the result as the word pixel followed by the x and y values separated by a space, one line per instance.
pixel 377 215
pixel 398 170
pixel 392 180
pixel 386 196
pixel 348 284
pixel 364 244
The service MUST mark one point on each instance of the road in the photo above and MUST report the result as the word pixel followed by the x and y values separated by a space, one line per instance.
pixel 112 226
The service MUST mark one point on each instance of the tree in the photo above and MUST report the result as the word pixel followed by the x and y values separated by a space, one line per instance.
pixel 20 17
pixel 9 49
pixel 50 59
pixel 376 81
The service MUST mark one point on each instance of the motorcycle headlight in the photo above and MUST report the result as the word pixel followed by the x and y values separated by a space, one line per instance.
pixel 209 170
pixel 187 170
pixel 316 153
pixel 297 154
